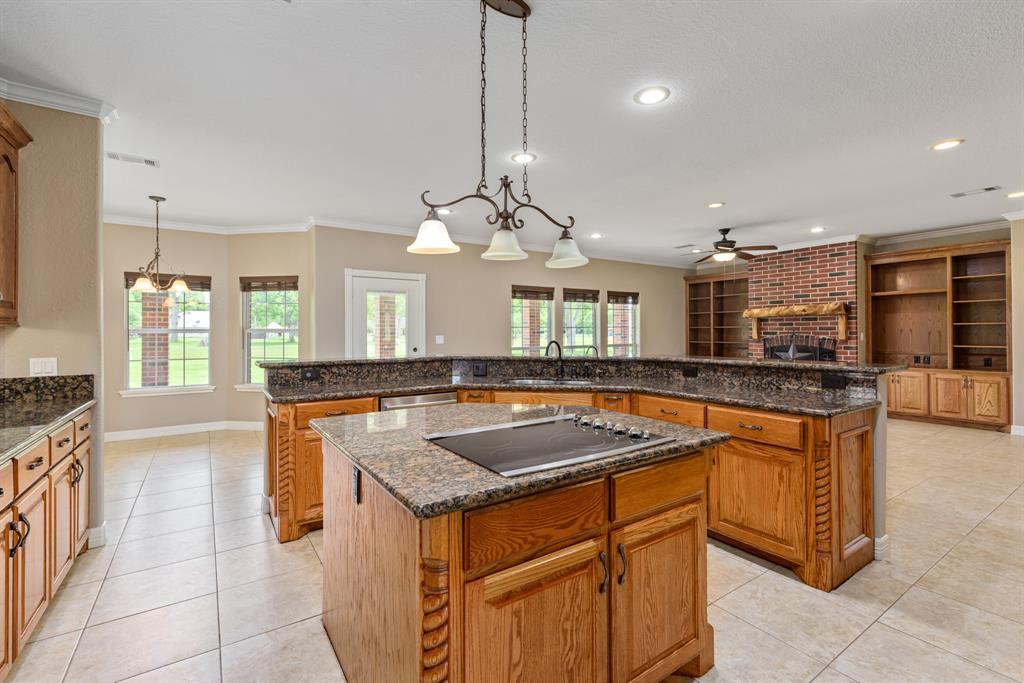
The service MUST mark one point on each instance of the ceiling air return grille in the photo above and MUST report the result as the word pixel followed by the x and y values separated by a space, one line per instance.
pixel 132 159
pixel 980 190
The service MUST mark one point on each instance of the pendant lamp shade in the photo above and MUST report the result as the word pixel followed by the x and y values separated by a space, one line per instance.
pixel 432 238
pixel 504 247
pixel 566 254
pixel 143 284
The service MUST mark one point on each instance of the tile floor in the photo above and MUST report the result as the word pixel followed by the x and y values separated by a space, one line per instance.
pixel 192 585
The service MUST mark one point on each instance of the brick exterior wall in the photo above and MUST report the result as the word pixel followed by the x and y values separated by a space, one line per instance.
pixel 812 275
pixel 154 346
pixel 384 332
pixel 531 319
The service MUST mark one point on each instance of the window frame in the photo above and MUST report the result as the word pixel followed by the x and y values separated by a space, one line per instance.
pixel 635 309
pixel 247 380
pixel 547 296
pixel 572 298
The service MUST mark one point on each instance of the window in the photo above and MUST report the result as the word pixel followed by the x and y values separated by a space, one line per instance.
pixel 579 322
pixel 623 324
pixel 270 310
pixel 169 335
pixel 532 316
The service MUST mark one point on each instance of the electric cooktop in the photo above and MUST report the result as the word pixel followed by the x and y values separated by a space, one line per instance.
pixel 516 448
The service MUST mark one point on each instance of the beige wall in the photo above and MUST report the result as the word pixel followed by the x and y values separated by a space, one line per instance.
pixel 1017 331
pixel 468 299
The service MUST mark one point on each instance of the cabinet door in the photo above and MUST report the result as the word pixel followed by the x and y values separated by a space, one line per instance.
pixel 659 592
pixel 62 516
pixel 987 399
pixel 8 234
pixel 757 496
pixel 543 620
pixel 893 393
pixel 30 596
pixel 83 456
pixel 308 482
pixel 913 393
pixel 6 652
pixel 949 396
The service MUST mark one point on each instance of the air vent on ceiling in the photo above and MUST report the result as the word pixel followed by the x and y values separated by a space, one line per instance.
pixel 132 159
pixel 980 190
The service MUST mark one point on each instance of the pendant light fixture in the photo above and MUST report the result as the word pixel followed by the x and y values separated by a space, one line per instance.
pixel 433 238
pixel 149 276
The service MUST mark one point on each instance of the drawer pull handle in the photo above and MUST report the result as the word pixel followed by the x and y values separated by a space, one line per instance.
pixel 13 526
pixel 756 428
pixel 668 412
pixel 625 564
pixel 474 394
pixel 83 427
pixel 64 442
pixel 604 565
pixel 335 413
pixel 36 463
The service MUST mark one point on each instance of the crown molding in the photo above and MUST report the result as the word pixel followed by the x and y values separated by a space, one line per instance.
pixel 1014 216
pixel 941 232
pixel 53 99
pixel 145 222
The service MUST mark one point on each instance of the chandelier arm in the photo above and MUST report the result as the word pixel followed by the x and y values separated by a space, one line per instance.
pixel 519 223
pixel 491 220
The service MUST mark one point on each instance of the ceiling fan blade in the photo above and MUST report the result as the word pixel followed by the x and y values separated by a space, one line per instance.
pixel 744 255
pixel 759 247
pixel 683 246
pixel 706 258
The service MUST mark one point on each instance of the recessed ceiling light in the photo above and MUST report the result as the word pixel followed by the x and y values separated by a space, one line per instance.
pixel 695 251
pixel 1015 195
pixel 817 228
pixel 651 95
pixel 949 143
pixel 444 212
pixel 524 157
pixel 716 205
pixel 596 235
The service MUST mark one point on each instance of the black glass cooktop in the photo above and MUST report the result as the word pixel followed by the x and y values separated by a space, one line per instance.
pixel 519 448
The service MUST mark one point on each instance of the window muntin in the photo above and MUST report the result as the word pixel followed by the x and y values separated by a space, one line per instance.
pixel 168 336
pixel 271 318
pixel 532 319
pixel 579 322
pixel 623 324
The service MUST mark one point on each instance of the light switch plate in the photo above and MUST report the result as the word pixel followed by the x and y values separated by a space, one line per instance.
pixel 439 339
pixel 40 367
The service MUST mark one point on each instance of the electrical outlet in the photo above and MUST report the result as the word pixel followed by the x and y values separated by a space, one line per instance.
pixel 439 339
pixel 988 362
pixel 41 367
pixel 311 374
pixel 689 371
pixel 479 369
pixel 927 360
pixel 917 359
pixel 832 381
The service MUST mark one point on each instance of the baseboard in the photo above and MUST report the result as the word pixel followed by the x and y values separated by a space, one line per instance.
pixel 173 430
pixel 98 535
pixel 882 547
pixel 1017 430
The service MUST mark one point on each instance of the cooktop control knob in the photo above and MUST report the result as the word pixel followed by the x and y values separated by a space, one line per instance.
pixel 585 420
pixel 598 423
pixel 635 433
pixel 620 429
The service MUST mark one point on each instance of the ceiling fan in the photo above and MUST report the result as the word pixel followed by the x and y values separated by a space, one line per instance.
pixel 726 249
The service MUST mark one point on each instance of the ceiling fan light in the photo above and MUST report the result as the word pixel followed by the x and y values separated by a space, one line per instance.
pixel 504 247
pixel 143 284
pixel 566 253
pixel 432 238
pixel 724 256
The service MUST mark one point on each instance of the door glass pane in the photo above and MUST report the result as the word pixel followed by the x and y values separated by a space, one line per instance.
pixel 387 325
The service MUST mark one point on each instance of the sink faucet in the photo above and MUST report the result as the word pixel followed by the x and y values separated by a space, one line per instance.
pixel 561 362
pixel 597 354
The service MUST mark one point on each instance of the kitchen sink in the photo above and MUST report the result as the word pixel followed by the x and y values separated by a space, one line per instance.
pixel 531 382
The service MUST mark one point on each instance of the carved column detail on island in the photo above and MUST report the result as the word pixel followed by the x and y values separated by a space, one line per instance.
pixel 823 498
pixel 435 621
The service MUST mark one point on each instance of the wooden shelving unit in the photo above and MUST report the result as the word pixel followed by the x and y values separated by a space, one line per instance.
pixel 715 324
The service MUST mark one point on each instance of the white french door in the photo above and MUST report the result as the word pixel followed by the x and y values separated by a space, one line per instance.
pixel 385 314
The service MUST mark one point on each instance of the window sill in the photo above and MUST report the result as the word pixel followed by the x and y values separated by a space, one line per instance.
pixel 166 391
pixel 255 388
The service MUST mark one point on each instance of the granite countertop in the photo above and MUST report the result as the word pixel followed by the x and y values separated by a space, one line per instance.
pixel 23 423
pixel 781 400
pixel 431 481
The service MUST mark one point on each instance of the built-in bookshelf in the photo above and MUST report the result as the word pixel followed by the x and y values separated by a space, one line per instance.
pixel 715 325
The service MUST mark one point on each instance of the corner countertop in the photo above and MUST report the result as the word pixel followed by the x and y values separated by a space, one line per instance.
pixel 23 423
pixel 431 481
pixel 799 402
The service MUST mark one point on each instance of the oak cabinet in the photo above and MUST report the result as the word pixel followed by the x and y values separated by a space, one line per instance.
pixel 553 609
pixel 6 651
pixel 908 393
pixel 757 496
pixel 81 483
pixel 12 138
pixel 988 399
pixel 949 395
pixel 612 401
pixel 62 521
pixel 659 556
pixel 554 398
pixel 30 594
pixel 475 396
pixel 671 410
pixel 308 491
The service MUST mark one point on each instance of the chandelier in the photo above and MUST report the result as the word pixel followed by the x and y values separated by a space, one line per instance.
pixel 149 276
pixel 433 238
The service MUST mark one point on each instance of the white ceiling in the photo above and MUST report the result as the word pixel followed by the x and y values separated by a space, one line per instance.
pixel 793 113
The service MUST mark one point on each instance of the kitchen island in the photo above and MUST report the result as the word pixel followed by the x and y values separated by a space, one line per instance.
pixel 436 568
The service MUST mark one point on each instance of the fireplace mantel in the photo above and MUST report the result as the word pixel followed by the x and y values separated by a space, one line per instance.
pixel 836 308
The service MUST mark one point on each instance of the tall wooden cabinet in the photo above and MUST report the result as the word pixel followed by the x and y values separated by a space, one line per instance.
pixel 946 313
pixel 31 585
pixel 12 138
pixel 715 325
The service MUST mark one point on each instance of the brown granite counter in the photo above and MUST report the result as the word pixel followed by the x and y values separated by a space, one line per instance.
pixel 24 422
pixel 430 481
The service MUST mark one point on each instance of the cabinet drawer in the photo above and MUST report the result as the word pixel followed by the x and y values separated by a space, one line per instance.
pixel 62 442
pixel 30 466
pixel 6 485
pixel 671 410
pixel 653 487
pixel 304 412
pixel 754 425
pixel 475 396
pixel 83 427
pixel 556 398
pixel 618 402
pixel 507 529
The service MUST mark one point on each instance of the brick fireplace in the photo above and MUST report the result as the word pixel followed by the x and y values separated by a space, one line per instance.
pixel 812 275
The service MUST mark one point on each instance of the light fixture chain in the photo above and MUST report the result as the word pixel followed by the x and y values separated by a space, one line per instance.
pixel 483 93
pixel 526 177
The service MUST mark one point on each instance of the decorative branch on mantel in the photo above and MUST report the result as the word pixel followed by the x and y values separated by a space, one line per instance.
pixel 836 308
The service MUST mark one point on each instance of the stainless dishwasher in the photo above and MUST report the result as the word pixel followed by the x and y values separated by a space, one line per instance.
pixel 418 400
